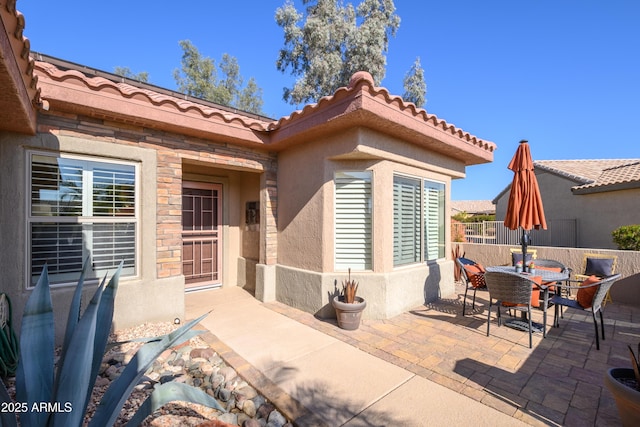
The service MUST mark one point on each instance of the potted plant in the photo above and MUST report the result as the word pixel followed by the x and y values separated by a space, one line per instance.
pixel 348 306
pixel 624 384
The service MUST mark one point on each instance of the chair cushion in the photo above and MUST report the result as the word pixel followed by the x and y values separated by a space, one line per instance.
pixel 585 296
pixel 517 257
pixel 599 267
pixel 535 295
pixel 475 273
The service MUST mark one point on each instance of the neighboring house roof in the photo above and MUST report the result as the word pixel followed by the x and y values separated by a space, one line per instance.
pixel 18 91
pixel 473 207
pixel 592 176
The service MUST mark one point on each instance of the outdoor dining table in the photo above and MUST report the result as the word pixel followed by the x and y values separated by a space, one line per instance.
pixel 548 278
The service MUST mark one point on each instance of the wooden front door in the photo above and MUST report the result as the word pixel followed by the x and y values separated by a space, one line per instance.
pixel 201 234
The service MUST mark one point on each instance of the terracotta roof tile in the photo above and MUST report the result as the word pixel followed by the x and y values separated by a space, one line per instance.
pixel 18 85
pixel 473 206
pixel 591 175
pixel 363 79
pixel 360 98
pixel 158 99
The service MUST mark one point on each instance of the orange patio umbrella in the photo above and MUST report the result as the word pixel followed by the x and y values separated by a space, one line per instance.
pixel 525 208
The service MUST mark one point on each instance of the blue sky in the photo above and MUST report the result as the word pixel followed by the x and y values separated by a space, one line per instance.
pixel 564 74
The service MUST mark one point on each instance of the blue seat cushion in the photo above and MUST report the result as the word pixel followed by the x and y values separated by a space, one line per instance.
pixel 600 267
pixel 517 257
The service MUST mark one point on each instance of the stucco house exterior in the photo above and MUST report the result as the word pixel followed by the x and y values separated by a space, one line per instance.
pixel 600 195
pixel 193 195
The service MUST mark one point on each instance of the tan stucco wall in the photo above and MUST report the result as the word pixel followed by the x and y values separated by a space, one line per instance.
pixel 387 294
pixel 305 272
pixel 146 297
pixel 597 214
pixel 141 298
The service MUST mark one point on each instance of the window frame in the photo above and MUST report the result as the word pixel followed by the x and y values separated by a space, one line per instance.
pixel 85 218
pixel 421 249
pixel 368 261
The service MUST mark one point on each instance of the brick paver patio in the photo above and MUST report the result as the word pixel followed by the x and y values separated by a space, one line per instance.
pixel 557 382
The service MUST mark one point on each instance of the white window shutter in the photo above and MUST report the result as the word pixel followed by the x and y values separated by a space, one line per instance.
pixel 353 220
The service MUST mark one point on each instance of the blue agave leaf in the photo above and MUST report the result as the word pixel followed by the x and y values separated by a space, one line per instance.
pixel 74 376
pixel 170 392
pixel 74 310
pixel 34 376
pixel 103 326
pixel 119 390
pixel 7 419
pixel 72 320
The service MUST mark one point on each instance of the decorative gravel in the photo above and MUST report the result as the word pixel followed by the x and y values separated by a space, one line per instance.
pixel 193 363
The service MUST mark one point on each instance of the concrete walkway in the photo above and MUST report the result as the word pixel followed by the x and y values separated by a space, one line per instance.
pixel 316 379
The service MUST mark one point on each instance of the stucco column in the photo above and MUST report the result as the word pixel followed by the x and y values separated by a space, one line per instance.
pixel 266 269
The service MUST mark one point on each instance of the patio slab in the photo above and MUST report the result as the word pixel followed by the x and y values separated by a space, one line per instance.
pixel 328 380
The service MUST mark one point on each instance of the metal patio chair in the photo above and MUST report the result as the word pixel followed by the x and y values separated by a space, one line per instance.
pixel 513 291
pixel 473 275
pixel 585 301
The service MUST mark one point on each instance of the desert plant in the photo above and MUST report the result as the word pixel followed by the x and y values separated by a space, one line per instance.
pixel 349 289
pixel 627 237
pixel 635 363
pixel 50 395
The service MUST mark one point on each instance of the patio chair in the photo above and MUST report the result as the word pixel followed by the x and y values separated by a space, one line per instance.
pixel 512 291
pixel 599 265
pixel 473 275
pixel 590 296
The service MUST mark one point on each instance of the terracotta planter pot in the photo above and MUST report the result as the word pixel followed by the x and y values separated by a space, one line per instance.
pixel 627 398
pixel 348 315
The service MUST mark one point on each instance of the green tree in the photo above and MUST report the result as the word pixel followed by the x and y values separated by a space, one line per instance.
pixel 415 88
pixel 331 41
pixel 198 77
pixel 126 72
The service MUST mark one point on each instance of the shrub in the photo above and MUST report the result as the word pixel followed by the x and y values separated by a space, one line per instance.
pixel 627 237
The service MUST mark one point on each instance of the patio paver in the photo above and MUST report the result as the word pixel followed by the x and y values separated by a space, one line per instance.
pixel 557 382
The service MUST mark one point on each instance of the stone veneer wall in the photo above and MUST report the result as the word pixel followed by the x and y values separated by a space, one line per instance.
pixel 172 150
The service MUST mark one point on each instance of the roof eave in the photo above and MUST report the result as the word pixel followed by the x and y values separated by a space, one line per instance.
pixel 74 93
pixel 17 83
pixel 629 185
pixel 363 105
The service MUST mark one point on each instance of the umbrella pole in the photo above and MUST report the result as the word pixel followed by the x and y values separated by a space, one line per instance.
pixel 524 241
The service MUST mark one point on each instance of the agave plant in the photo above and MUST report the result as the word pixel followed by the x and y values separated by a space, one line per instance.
pixel 349 289
pixel 50 395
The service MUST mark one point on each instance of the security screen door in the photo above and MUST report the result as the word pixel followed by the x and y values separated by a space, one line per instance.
pixel 201 234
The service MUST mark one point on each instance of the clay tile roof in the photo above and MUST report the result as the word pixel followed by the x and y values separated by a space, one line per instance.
pixel 596 175
pixel 473 206
pixel 154 95
pixel 359 104
pixel 19 93
pixel 397 117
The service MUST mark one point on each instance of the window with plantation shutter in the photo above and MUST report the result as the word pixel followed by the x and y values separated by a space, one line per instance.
pixel 418 220
pixel 81 208
pixel 406 220
pixel 434 220
pixel 353 220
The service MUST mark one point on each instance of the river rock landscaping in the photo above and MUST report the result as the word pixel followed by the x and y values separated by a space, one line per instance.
pixel 193 363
